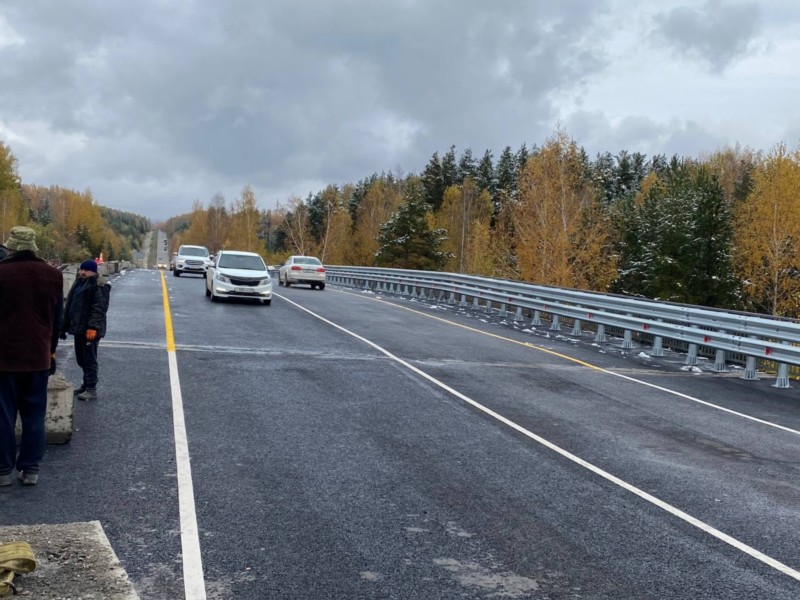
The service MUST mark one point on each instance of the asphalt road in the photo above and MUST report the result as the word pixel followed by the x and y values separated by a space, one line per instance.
pixel 444 454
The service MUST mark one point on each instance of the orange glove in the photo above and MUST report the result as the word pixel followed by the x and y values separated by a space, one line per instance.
pixel 91 335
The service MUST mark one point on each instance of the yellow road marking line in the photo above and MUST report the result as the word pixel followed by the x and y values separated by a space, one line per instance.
pixel 584 364
pixel 193 581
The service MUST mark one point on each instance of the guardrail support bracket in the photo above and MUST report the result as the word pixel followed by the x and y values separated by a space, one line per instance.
pixel 691 357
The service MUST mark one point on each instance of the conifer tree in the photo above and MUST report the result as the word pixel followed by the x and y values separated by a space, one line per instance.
pixel 433 182
pixel 485 178
pixel 407 240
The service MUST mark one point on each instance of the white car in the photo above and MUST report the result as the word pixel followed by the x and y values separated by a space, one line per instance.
pixel 302 269
pixel 235 274
pixel 191 259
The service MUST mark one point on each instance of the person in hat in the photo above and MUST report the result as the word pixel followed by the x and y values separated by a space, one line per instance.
pixel 85 318
pixel 31 297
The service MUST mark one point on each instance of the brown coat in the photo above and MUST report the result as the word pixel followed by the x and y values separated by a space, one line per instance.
pixel 31 299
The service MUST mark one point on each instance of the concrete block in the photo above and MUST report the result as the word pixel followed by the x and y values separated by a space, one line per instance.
pixel 58 422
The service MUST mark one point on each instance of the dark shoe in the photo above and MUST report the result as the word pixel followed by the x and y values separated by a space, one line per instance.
pixel 80 390
pixel 5 480
pixel 28 478
pixel 89 393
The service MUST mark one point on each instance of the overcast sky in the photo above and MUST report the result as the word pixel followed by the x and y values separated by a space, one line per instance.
pixel 153 104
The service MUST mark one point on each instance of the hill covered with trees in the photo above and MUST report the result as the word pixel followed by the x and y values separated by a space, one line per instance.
pixel 70 226
pixel 721 230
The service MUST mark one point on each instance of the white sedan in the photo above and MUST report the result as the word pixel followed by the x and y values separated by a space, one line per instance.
pixel 302 269
pixel 235 274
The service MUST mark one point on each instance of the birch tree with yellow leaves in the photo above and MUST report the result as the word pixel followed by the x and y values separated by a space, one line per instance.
pixel 381 200
pixel 767 235
pixel 465 214
pixel 560 230
pixel 245 221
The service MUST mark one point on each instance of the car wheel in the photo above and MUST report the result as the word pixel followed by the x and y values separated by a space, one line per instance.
pixel 176 273
pixel 208 291
pixel 266 302
pixel 286 282
pixel 214 297
pixel 321 286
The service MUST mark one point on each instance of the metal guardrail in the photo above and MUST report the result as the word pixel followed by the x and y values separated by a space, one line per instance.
pixel 756 337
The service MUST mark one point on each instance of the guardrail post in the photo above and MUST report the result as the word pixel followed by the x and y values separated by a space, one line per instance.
pixel 782 380
pixel 749 373
pixel 576 327
pixel 463 301
pixel 475 304
pixel 421 294
pixel 600 336
pixel 555 323
pixel 627 339
pixel 719 360
pixel 452 298
pixel 518 316
pixel 691 357
pixel 503 312
pixel 489 307
pixel 537 318
pixel 658 343
pixel 750 369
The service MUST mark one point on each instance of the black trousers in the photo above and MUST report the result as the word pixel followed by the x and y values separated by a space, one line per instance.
pixel 86 355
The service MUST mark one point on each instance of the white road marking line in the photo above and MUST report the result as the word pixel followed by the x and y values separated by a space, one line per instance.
pixel 741 546
pixel 193 582
pixel 591 366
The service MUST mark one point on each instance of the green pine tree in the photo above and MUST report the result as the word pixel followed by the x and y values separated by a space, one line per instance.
pixel 407 240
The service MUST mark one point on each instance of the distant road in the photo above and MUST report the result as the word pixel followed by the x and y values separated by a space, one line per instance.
pixel 348 447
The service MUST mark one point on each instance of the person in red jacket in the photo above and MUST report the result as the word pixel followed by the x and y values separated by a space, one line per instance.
pixel 31 298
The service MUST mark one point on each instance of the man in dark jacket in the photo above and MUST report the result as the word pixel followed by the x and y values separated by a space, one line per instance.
pixel 31 297
pixel 85 318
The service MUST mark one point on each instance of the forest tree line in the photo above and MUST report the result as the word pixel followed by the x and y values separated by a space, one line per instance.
pixel 722 230
pixel 70 226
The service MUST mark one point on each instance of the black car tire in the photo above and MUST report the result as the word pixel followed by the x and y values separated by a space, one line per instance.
pixel 208 291
pixel 176 273
pixel 321 286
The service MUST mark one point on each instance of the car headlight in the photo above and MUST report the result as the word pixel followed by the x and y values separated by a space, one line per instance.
pixel 265 282
pixel 222 278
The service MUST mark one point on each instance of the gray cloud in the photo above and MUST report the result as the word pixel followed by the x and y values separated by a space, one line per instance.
pixel 641 134
pixel 155 104
pixel 718 33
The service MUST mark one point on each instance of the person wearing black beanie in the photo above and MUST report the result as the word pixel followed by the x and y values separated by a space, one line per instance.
pixel 85 318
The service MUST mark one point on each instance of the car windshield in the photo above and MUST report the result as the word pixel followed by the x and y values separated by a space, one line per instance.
pixel 194 252
pixel 241 261
pixel 306 260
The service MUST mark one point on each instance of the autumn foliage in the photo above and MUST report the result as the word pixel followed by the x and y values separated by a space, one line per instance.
pixel 719 230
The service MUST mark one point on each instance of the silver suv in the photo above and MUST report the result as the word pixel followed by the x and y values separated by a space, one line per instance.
pixel 191 259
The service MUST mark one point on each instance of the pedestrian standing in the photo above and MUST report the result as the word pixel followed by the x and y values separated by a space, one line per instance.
pixel 85 318
pixel 31 299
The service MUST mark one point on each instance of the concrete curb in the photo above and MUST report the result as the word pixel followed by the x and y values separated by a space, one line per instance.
pixel 73 560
